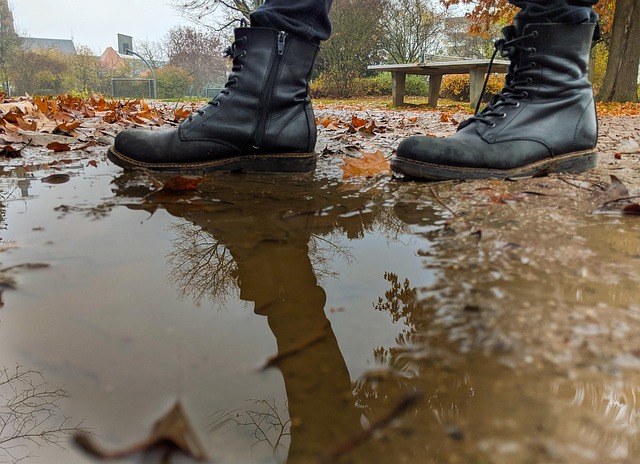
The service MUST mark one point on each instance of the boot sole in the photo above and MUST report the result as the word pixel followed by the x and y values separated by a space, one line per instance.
pixel 570 163
pixel 279 162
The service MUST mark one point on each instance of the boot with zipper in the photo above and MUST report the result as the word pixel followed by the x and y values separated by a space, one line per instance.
pixel 543 121
pixel 262 121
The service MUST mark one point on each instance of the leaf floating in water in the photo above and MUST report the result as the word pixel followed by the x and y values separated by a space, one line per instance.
pixel 617 188
pixel 370 165
pixel 182 184
pixel 56 179
pixel 172 432
pixel 633 208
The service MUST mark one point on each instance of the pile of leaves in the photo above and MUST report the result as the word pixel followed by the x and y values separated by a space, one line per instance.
pixel 66 122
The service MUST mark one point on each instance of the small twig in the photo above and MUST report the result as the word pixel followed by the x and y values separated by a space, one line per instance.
pixel 575 185
pixel 436 197
pixel 405 403
pixel 322 333
pixel 633 197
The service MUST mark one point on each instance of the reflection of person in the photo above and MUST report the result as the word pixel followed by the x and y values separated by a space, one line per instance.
pixel 542 121
pixel 268 240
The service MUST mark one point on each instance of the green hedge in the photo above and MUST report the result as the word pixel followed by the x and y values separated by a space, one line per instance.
pixel 377 85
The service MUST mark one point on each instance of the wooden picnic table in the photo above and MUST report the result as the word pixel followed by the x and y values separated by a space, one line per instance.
pixel 476 68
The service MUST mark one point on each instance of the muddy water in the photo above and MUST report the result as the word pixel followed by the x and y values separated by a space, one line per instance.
pixel 305 320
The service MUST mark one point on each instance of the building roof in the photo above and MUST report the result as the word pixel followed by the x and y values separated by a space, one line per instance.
pixel 111 59
pixel 65 46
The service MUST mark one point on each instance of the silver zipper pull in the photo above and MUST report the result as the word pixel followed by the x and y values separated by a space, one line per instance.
pixel 282 36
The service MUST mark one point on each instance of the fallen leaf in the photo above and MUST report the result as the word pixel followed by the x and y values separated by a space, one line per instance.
pixel 173 430
pixel 370 165
pixel 633 208
pixel 617 188
pixel 56 179
pixel 9 151
pixel 182 184
pixel 58 147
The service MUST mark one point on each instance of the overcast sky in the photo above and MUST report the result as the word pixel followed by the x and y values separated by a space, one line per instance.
pixel 95 23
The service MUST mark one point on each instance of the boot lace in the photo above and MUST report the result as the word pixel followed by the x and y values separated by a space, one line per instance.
pixel 236 53
pixel 512 92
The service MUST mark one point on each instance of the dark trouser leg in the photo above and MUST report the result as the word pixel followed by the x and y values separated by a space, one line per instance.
pixel 557 11
pixel 307 19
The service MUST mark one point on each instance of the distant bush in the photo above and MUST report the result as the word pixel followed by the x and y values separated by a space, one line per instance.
pixel 380 84
pixel 173 82
pixel 457 87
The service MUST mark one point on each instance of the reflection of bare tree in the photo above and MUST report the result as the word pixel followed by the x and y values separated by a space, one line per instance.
pixel 266 423
pixel 29 413
pixel 201 266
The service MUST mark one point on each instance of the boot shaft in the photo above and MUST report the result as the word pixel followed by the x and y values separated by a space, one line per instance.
pixel 265 102
pixel 547 96
pixel 556 59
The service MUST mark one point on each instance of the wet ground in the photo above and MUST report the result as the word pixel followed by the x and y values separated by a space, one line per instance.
pixel 308 319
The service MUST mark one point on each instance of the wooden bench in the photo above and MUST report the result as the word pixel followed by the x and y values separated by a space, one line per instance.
pixel 476 68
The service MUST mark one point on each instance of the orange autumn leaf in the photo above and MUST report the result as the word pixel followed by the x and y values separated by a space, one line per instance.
pixel 357 122
pixel 68 126
pixel 181 184
pixel 370 165
pixel 58 147
pixel 181 113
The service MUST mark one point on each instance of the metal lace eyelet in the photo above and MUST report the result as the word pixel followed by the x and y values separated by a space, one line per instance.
pixel 503 115
pixel 215 103
pixel 534 34
pixel 493 124
pixel 525 94
pixel 243 54
pixel 529 80
pixel 533 50
pixel 516 104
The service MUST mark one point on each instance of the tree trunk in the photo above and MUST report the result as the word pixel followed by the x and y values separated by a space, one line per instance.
pixel 621 78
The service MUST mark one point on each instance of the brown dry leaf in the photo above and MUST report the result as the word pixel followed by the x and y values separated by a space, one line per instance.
pixel 9 151
pixel 67 127
pixel 58 147
pixel 357 122
pixel 633 208
pixel 370 165
pixel 56 179
pixel 172 432
pixel 181 113
pixel 181 184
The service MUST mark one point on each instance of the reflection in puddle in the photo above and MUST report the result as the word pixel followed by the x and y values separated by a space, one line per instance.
pixel 300 321
pixel 30 414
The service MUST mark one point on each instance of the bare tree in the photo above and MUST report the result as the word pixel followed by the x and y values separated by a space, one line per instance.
pixel 354 44
pixel 155 52
pixel 198 52
pixel 29 413
pixel 216 14
pixel 412 29
pixel 201 266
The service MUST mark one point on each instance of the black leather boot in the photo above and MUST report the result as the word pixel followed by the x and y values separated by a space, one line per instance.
pixel 262 120
pixel 543 120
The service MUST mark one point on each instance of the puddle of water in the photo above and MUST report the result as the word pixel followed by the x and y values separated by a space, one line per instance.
pixel 300 321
